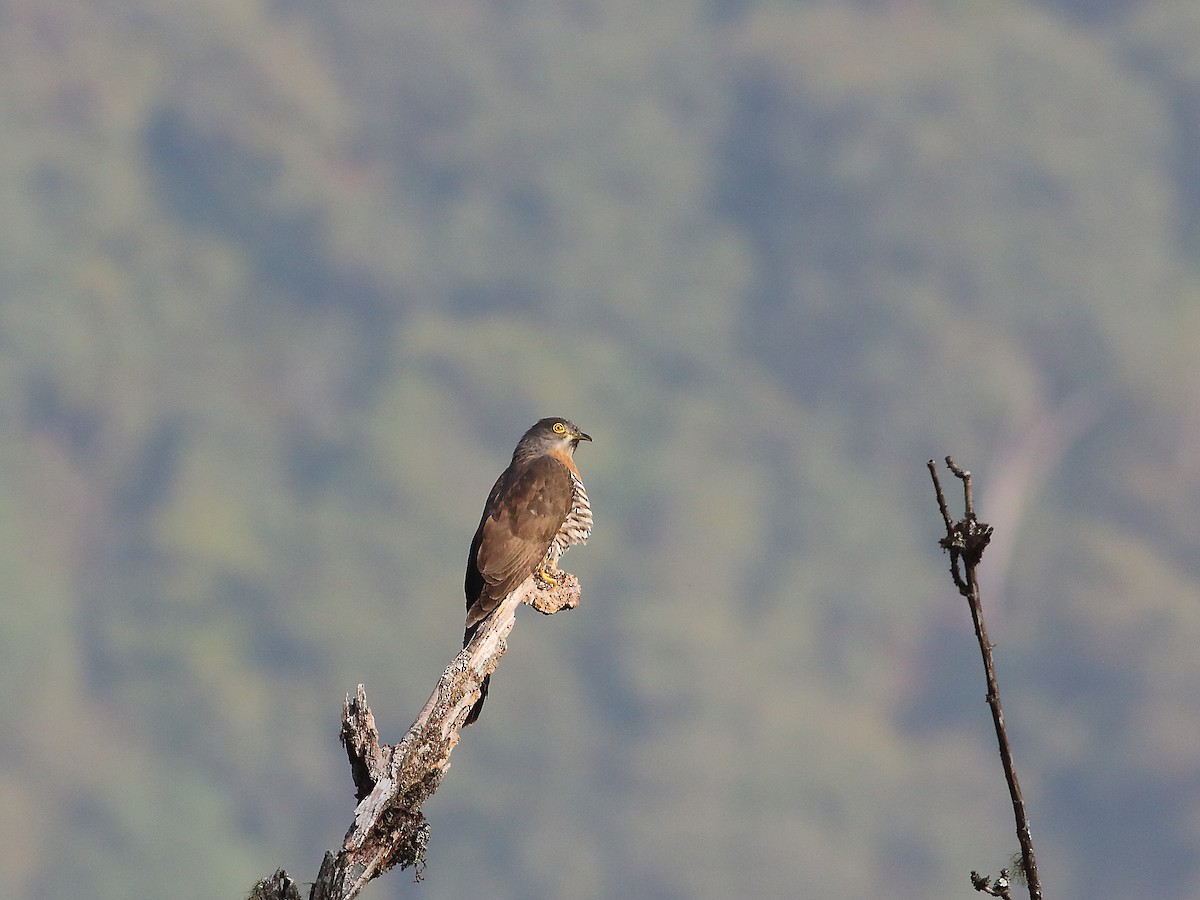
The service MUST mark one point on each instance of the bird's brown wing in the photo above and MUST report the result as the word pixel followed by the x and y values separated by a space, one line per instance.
pixel 528 506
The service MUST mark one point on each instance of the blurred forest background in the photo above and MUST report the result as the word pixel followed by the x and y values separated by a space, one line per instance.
pixel 283 281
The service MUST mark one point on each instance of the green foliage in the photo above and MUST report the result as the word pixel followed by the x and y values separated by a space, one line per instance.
pixel 284 282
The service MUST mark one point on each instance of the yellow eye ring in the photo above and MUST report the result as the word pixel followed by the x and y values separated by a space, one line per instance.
pixel 560 428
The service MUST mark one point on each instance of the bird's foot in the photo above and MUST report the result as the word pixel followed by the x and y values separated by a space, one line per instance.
pixel 547 577
pixel 563 594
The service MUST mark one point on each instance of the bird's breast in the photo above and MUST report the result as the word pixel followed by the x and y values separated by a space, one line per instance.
pixel 577 526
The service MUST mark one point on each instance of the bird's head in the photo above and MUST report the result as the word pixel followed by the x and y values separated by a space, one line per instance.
pixel 548 434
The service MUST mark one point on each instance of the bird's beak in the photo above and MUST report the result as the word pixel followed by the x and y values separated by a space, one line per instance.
pixel 580 436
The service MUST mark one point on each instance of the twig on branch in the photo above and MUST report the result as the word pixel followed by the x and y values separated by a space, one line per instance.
pixel 1001 887
pixel 278 887
pixel 392 783
pixel 966 540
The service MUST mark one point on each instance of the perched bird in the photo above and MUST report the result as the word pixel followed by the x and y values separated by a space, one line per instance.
pixel 536 510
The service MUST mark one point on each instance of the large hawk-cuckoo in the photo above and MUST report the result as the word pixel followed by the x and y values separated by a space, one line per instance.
pixel 536 510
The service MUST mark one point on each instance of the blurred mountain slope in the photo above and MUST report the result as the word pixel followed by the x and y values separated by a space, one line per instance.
pixel 284 282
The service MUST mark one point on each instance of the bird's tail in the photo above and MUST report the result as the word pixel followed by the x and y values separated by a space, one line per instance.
pixel 478 707
pixel 483 686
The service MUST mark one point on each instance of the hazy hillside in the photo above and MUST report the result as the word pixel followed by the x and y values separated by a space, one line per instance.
pixel 281 284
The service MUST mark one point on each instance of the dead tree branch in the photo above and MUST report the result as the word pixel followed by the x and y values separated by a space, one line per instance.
pixel 965 541
pixel 392 783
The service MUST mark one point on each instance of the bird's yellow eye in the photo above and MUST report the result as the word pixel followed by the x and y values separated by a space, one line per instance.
pixel 560 428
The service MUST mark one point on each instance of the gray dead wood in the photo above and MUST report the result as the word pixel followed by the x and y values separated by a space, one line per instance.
pixel 392 782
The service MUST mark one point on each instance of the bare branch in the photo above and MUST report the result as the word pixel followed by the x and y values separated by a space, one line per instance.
pixel 392 783
pixel 966 540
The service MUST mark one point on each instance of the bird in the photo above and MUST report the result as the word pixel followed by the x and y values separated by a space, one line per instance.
pixel 535 511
